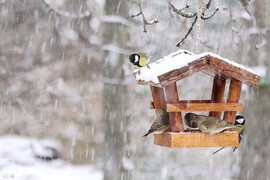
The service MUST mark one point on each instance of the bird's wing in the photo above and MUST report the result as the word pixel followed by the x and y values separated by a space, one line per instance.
pixel 157 124
pixel 224 123
pixel 142 55
pixel 192 120
pixel 214 125
pixel 165 118
pixel 202 118
pixel 145 55
pixel 209 123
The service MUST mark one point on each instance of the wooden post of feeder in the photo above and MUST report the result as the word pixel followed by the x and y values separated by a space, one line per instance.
pixel 175 117
pixel 218 91
pixel 158 98
pixel 233 97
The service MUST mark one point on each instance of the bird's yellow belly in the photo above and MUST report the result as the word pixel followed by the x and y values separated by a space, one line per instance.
pixel 144 62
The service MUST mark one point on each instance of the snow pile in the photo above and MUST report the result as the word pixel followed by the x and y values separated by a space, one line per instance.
pixel 176 60
pixel 26 158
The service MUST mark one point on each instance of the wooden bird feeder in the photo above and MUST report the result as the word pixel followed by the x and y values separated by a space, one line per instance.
pixel 162 77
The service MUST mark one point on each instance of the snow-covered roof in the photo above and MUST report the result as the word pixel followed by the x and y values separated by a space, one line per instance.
pixel 182 63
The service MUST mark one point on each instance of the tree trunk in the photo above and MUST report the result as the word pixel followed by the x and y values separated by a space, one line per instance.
pixel 115 93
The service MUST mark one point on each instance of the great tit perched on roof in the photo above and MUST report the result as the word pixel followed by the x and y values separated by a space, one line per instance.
pixel 240 123
pixel 207 124
pixel 139 59
pixel 161 124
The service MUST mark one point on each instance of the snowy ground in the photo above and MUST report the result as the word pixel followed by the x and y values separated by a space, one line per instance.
pixel 22 158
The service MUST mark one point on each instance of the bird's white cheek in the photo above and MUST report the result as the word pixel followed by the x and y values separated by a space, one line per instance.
pixel 240 121
pixel 136 58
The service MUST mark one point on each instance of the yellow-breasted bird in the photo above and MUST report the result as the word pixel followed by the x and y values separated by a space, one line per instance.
pixel 240 123
pixel 207 124
pixel 161 124
pixel 139 59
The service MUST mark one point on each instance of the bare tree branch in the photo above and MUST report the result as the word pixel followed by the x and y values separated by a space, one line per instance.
pixel 180 11
pixel 208 4
pixel 191 15
pixel 145 22
pixel 209 16
pixel 188 32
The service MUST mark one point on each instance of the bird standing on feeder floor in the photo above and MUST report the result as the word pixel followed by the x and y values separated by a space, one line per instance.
pixel 161 124
pixel 191 119
pixel 139 60
pixel 207 124
pixel 240 123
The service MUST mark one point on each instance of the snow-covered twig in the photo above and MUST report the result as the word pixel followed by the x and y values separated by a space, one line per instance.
pixel 180 11
pixel 145 22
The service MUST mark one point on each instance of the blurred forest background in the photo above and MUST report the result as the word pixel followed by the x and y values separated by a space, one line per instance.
pixel 65 75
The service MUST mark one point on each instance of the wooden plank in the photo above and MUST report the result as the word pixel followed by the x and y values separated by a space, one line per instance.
pixel 195 101
pixel 178 74
pixel 233 97
pixel 186 107
pixel 175 117
pixel 158 98
pixel 218 91
pixel 229 71
pixel 197 139
pixel 152 106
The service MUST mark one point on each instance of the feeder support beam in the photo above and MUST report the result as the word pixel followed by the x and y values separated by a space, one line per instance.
pixel 158 98
pixel 233 97
pixel 175 117
pixel 218 91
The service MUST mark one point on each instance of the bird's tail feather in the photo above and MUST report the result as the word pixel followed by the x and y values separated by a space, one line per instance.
pixel 218 150
pixel 146 134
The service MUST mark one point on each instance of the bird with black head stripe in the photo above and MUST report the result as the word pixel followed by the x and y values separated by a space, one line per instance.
pixel 139 60
pixel 240 127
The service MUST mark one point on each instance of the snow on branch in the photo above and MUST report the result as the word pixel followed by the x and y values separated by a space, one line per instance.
pixel 181 12
pixel 145 22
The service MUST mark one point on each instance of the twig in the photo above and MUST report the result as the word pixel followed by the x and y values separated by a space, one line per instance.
pixel 209 16
pixel 180 11
pixel 188 32
pixel 191 15
pixel 145 22
pixel 218 150
pixel 208 4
